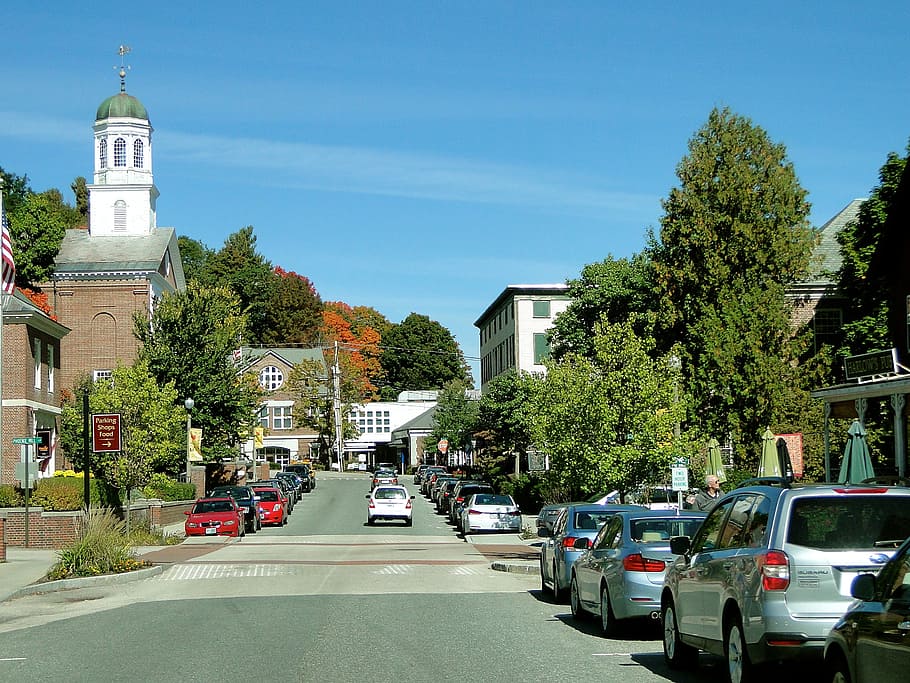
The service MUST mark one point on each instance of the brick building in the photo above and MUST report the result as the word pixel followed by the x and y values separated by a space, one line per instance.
pixel 31 359
pixel 122 262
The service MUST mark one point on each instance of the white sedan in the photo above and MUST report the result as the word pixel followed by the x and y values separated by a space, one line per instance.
pixel 490 512
pixel 389 502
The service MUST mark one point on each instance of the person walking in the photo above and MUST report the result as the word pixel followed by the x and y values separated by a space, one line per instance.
pixel 708 497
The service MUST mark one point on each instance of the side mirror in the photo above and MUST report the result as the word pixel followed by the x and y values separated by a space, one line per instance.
pixel 543 532
pixel 863 587
pixel 412 497
pixel 187 512
pixel 679 545
pixel 582 543
pixel 368 496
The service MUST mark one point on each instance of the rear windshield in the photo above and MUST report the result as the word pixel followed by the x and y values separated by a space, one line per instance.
pixel 267 494
pixel 236 494
pixel 484 499
pixel 849 522
pixel 389 494
pixel 661 530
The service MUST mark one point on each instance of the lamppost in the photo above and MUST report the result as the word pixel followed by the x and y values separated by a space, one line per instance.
pixel 188 404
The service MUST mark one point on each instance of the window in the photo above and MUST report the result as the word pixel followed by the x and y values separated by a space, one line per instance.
pixel 119 153
pixel 102 374
pixel 50 369
pixel 541 348
pixel 102 153
pixel 282 417
pixel 271 378
pixel 541 309
pixel 263 417
pixel 138 150
pixel 707 536
pixel 120 215
pixel 36 351
pixel 827 323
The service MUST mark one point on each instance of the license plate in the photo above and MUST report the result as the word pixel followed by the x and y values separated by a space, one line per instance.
pixel 211 531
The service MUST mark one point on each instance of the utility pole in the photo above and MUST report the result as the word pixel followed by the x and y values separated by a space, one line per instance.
pixel 336 401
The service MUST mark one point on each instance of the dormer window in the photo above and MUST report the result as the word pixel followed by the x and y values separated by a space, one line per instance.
pixel 271 378
pixel 138 150
pixel 102 152
pixel 119 153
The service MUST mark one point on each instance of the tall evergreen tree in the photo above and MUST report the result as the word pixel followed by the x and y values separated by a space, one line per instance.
pixel 733 237
pixel 294 313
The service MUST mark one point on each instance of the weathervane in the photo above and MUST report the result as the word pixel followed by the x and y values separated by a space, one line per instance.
pixel 123 51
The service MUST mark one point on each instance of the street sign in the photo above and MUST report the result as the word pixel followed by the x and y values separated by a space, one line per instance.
pixel 30 473
pixel 19 440
pixel 106 433
pixel 443 445
pixel 680 478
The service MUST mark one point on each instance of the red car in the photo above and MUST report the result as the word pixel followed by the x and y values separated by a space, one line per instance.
pixel 215 517
pixel 273 506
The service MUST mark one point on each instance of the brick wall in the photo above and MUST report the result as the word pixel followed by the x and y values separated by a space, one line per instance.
pixel 2 540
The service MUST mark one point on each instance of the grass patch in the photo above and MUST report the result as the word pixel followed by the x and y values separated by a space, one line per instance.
pixel 143 534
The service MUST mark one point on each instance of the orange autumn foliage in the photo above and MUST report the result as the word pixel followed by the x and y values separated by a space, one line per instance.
pixel 358 343
pixel 40 300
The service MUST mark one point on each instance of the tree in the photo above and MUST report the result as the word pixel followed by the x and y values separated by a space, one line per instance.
pixel 153 427
pixel 419 353
pixel 358 342
pixel 195 256
pixel 15 190
pixel 505 413
pixel 455 418
pixel 189 341
pixel 613 289
pixel 294 313
pixel 608 422
pixel 37 226
pixel 80 191
pixel 238 266
pixel 872 264
pixel 733 237
pixel 312 387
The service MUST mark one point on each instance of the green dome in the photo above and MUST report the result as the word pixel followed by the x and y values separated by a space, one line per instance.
pixel 121 105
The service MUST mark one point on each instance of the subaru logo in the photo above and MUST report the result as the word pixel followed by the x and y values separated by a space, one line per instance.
pixel 878 558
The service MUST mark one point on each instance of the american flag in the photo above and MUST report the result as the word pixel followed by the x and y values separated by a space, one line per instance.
pixel 6 252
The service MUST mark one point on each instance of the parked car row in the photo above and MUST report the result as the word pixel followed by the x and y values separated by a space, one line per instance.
pixel 774 572
pixel 239 509
pixel 471 506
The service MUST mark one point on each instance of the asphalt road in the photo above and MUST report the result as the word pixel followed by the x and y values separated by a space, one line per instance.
pixel 326 597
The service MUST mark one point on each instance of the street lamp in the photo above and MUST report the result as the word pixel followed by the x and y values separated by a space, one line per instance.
pixel 188 404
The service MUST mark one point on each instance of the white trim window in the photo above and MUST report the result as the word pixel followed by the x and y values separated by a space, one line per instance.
pixel 36 350
pixel 102 374
pixel 119 153
pixel 50 369
pixel 283 417
pixel 271 378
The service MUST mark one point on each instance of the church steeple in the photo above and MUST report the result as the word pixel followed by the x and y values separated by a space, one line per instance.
pixel 123 196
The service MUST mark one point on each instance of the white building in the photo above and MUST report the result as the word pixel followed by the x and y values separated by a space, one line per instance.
pixel 513 329
pixel 376 422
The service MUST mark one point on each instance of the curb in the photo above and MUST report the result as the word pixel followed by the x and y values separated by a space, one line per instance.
pixel 515 568
pixel 86 581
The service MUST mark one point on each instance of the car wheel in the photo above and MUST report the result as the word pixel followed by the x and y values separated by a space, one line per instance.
pixel 407 522
pixel 369 521
pixel 544 588
pixel 607 618
pixel 677 654
pixel 578 612
pixel 838 671
pixel 738 665
pixel 557 589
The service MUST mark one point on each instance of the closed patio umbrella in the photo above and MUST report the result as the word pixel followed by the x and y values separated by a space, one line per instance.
pixel 783 458
pixel 715 461
pixel 857 463
pixel 769 463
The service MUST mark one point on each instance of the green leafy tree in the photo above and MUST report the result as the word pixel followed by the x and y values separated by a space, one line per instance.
pixel 153 428
pixel 80 191
pixel 733 238
pixel 15 190
pixel 870 279
pixel 238 266
pixel 505 413
pixel 189 342
pixel 294 313
pixel 419 353
pixel 608 422
pixel 195 257
pixel 613 289
pixel 37 226
pixel 455 418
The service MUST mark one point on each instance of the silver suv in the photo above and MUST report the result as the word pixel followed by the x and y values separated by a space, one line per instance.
pixel 769 571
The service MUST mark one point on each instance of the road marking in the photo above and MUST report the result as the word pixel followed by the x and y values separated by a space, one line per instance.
pixel 394 569
pixel 12 659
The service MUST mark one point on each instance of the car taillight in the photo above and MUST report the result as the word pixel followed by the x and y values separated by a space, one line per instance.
pixel 371 505
pixel 407 505
pixel 775 570
pixel 514 512
pixel 459 499
pixel 865 490
pixel 569 541
pixel 474 512
pixel 637 563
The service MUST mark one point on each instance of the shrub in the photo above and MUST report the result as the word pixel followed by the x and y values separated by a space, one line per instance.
pixel 10 497
pixel 102 548
pixel 143 534
pixel 160 486
pixel 66 493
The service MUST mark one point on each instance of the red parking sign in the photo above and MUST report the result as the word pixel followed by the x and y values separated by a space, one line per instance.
pixel 106 433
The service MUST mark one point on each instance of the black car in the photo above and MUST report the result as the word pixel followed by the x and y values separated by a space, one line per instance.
pixel 245 498
pixel 305 472
pixel 871 642
pixel 294 479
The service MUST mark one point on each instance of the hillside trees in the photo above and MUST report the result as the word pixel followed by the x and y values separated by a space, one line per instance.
pixel 189 341
pixel 733 237
pixel 294 311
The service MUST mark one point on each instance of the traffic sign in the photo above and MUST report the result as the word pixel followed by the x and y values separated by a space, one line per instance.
pixel 106 433
pixel 19 440
pixel 680 478
pixel 443 445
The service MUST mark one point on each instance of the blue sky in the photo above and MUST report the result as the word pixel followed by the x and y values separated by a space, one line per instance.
pixel 420 156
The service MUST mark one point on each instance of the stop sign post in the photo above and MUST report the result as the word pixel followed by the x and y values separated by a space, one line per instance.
pixel 443 446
